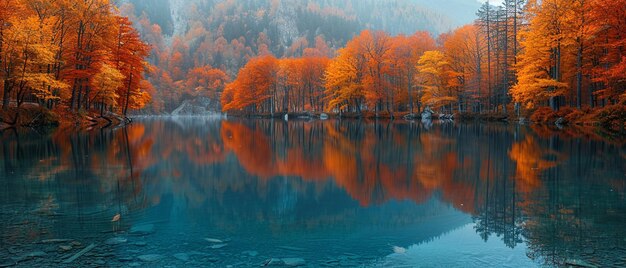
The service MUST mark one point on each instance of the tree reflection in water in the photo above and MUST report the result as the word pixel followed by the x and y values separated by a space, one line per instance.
pixel 562 196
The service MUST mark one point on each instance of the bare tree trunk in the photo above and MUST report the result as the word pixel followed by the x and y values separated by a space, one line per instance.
pixel 7 94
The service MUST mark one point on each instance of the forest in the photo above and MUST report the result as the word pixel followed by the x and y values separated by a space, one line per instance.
pixel 553 58
pixel 70 57
pixel 543 60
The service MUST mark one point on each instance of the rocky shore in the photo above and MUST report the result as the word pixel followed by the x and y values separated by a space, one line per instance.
pixel 32 116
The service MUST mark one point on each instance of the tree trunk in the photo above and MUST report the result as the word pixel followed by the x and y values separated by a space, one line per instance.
pixel 130 80
pixel 7 95
pixel 579 73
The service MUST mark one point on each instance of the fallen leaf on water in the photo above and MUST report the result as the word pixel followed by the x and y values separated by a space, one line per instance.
pixel 213 240
pixel 399 250
pixel 116 217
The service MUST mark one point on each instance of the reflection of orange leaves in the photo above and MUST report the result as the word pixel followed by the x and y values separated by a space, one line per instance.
pixel 530 163
pixel 398 185
pixel 431 169
pixel 298 164
pixel 251 147
pixel 204 152
pixel 135 132
pixel 144 149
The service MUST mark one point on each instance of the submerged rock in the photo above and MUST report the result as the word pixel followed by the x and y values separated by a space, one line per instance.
pixel 399 250
pixel 125 259
pixel 56 240
pixel 273 262
pixel 141 244
pixel 588 250
pixel 142 229
pixel 181 256
pixel 115 241
pixel 579 263
pixel 251 253
pixel 293 261
pixel 150 257
pixel 8 264
pixel 291 248
pixel 36 254
pixel 218 246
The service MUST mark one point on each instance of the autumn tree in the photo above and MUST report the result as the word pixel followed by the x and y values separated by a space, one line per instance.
pixel 343 80
pixel 87 39
pixel 312 77
pixel 11 12
pixel 254 89
pixel 606 32
pixel 376 49
pixel 28 56
pixel 406 52
pixel 128 55
pixel 105 84
pixel 463 49
pixel 205 81
pixel 437 80
pixel 539 66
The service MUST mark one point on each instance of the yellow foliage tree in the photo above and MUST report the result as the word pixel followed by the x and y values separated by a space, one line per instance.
pixel 539 66
pixel 342 80
pixel 434 78
pixel 105 83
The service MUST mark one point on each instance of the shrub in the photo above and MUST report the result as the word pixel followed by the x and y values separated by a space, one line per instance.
pixel 544 115
pixel 611 115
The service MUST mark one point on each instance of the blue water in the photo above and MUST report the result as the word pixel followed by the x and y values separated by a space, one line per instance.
pixel 204 192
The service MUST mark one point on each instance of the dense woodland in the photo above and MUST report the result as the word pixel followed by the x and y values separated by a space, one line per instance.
pixel 81 55
pixel 273 57
pixel 519 56
pixel 224 35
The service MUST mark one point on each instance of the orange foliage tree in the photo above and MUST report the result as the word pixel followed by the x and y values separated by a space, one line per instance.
pixel 70 52
pixel 268 85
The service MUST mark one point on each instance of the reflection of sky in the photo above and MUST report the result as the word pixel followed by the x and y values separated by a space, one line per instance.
pixel 462 247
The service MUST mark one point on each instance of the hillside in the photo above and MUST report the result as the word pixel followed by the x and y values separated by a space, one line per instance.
pixel 225 34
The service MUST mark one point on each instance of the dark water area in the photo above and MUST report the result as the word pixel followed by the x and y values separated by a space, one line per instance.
pixel 203 192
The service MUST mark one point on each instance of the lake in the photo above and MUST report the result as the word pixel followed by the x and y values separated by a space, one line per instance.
pixel 203 191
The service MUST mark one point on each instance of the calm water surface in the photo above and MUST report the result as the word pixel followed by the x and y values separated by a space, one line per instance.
pixel 332 193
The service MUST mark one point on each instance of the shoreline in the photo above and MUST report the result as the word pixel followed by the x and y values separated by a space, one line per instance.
pixel 40 118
